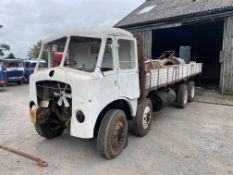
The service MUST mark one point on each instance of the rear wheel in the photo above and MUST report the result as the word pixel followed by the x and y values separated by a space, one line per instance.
pixel 26 79
pixel 19 82
pixel 113 134
pixel 142 121
pixel 182 96
pixel 191 91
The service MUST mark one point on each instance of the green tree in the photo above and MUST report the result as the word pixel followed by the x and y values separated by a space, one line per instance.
pixel 35 50
pixel 11 56
pixel 4 47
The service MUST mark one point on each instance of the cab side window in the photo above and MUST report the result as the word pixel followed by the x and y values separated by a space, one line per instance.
pixel 126 52
pixel 107 64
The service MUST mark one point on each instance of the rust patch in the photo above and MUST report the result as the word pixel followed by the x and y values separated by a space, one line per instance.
pixel 33 114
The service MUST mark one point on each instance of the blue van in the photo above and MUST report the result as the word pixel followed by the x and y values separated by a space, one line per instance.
pixel 29 66
pixel 12 70
pixel 3 75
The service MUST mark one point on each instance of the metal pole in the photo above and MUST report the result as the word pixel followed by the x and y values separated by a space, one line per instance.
pixel 40 162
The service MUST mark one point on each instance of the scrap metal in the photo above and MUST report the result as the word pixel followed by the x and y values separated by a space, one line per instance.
pixel 39 161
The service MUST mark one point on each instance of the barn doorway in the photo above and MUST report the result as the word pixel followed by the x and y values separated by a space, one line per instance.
pixel 206 43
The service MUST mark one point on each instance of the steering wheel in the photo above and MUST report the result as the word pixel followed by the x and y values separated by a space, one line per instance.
pixel 105 69
pixel 70 62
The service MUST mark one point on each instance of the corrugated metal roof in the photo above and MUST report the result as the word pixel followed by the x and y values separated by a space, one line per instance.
pixel 165 9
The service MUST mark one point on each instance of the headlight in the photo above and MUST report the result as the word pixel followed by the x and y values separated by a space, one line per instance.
pixel 80 116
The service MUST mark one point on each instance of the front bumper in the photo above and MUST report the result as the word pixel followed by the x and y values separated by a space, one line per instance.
pixel 15 79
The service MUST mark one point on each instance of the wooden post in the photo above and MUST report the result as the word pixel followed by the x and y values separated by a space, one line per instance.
pixel 226 82
pixel 141 65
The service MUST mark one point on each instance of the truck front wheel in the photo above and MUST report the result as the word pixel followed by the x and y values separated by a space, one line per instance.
pixel 113 134
pixel 50 127
pixel 182 96
pixel 142 121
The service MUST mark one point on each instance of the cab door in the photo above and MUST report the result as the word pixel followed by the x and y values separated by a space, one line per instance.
pixel 108 85
pixel 128 74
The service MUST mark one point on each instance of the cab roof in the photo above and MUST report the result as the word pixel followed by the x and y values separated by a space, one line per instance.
pixel 90 32
pixel 34 61
pixel 11 60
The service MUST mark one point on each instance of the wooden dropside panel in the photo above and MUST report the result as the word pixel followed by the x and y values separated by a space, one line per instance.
pixel 162 77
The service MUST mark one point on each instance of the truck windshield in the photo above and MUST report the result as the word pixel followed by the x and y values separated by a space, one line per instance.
pixel 42 65
pixel 12 64
pixel 82 53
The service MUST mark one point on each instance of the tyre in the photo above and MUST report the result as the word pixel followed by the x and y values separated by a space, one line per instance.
pixel 4 85
pixel 113 134
pixel 19 82
pixel 182 96
pixel 142 121
pixel 26 79
pixel 191 91
pixel 49 128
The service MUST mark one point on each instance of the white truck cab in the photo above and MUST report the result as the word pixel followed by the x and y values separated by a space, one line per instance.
pixel 93 89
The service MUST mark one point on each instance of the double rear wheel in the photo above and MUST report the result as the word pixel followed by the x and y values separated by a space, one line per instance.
pixel 185 94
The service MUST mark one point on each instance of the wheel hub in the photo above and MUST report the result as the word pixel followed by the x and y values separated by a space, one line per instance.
pixel 193 92
pixel 146 117
pixel 118 136
pixel 185 97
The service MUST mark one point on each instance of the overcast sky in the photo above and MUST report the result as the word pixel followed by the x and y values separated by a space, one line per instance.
pixel 27 21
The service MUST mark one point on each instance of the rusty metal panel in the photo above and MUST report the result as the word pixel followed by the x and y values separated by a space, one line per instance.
pixel 39 161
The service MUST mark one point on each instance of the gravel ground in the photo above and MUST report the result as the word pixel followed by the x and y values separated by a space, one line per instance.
pixel 196 140
pixel 213 97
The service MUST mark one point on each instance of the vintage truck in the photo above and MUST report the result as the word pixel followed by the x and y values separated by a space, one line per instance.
pixel 11 71
pixel 100 84
pixel 29 66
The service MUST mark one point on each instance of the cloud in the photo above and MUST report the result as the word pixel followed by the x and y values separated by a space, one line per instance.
pixel 25 22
